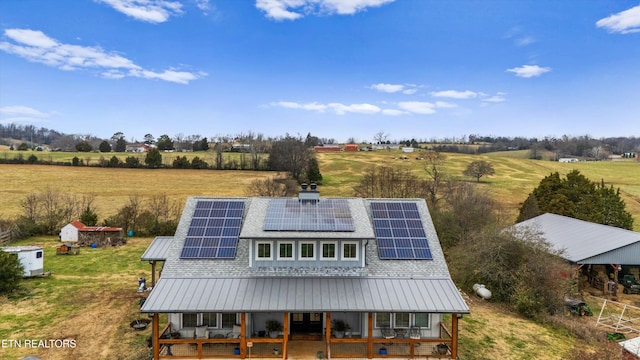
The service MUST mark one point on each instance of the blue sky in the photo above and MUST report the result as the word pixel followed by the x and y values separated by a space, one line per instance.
pixel 339 69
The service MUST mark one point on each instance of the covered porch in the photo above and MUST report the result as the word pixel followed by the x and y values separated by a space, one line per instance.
pixel 290 346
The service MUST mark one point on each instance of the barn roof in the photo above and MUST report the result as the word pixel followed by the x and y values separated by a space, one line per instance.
pixel 585 242
pixel 82 227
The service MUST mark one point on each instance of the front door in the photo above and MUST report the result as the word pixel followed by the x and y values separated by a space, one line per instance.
pixel 306 323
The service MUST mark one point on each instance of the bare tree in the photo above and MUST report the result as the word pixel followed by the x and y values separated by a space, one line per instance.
pixel 271 187
pixel 434 164
pixel 380 137
pixel 389 182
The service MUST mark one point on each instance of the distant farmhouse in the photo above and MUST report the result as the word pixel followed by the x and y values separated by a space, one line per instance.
pixel 78 233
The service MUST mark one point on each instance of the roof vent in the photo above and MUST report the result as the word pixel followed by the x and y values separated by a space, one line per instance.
pixel 309 195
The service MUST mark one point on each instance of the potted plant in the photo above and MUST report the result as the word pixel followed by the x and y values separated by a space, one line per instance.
pixel 274 327
pixel 339 328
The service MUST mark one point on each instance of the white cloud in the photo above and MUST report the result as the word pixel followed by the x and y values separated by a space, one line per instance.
pixel 19 110
pixel 495 99
pixel 417 107
pixel 528 71
pixel 393 112
pixel 295 9
pixel 388 88
pixel 407 89
pixel 154 11
pixel 37 47
pixel 444 104
pixel 524 41
pixel 624 22
pixel 338 108
pixel 21 114
pixel 454 94
pixel 341 109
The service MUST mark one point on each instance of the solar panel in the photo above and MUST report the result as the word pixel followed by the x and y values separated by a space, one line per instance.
pixel 399 231
pixel 214 230
pixel 295 215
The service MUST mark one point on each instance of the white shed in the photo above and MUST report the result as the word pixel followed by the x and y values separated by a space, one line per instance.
pixel 70 231
pixel 31 257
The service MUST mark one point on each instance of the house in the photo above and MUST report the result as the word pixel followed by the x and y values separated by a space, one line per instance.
pixel 264 276
pixel 31 257
pixel 80 234
pixel 139 148
pixel 567 160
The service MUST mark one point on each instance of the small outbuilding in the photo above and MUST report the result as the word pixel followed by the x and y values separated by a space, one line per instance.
pixel 31 257
pixel 82 235
pixel 351 147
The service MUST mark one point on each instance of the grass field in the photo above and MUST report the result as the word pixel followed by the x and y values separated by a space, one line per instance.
pixel 92 297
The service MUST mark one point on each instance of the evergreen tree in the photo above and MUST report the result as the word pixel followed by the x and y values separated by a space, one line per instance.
pixel 313 171
pixel 89 217
pixel 579 198
pixel 104 146
pixel 121 144
pixel 10 272
pixel 153 159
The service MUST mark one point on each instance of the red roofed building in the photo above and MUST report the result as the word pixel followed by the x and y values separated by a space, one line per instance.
pixel 83 235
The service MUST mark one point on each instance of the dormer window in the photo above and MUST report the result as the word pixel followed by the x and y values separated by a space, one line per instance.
pixel 264 250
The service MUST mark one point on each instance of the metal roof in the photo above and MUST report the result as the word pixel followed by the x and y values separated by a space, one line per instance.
pixel 632 346
pixel 584 242
pixel 158 249
pixel 435 295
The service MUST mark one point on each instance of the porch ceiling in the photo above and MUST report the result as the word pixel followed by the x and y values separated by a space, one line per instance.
pixel 435 295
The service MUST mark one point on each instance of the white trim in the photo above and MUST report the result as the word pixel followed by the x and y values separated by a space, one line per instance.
pixel 293 250
pixel 302 258
pixel 342 257
pixel 336 249
pixel 270 257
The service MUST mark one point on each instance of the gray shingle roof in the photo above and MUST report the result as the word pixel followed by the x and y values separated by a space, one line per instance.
pixel 416 285
pixel 584 242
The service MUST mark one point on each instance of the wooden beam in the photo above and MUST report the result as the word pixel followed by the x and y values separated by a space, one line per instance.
pixel 370 336
pixel 155 336
pixel 153 273
pixel 327 335
pixel 454 336
pixel 243 337
pixel 285 335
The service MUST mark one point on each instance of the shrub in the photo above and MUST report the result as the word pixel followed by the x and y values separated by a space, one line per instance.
pixel 10 272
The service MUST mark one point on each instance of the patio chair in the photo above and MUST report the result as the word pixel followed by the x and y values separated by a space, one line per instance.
pixel 201 332
pixel 414 332
pixel 235 333
pixel 388 333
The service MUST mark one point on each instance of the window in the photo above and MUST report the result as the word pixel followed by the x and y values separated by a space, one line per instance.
pixel 38 254
pixel 209 319
pixel 401 320
pixel 264 251
pixel 306 251
pixel 285 250
pixel 383 320
pixel 422 320
pixel 328 251
pixel 349 250
pixel 228 320
pixel 212 320
pixel 189 320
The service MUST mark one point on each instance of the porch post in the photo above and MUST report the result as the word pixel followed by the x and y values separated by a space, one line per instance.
pixel 327 335
pixel 243 338
pixel 370 336
pixel 285 336
pixel 454 336
pixel 155 336
pixel 153 273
